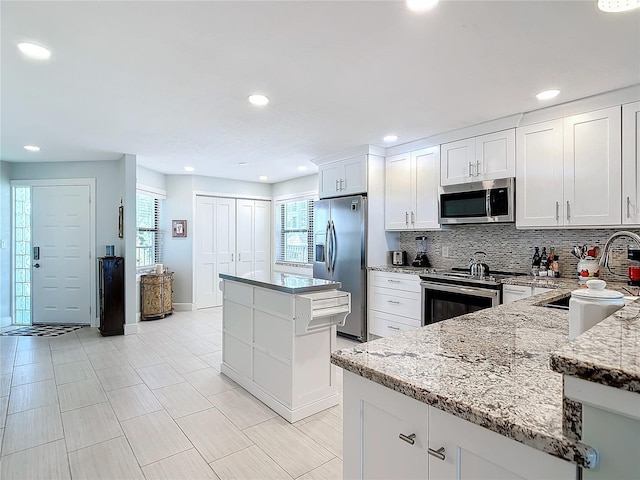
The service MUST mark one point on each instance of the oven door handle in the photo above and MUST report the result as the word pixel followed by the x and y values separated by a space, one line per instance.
pixel 478 292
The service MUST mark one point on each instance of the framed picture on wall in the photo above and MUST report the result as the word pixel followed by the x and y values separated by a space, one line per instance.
pixel 121 221
pixel 178 228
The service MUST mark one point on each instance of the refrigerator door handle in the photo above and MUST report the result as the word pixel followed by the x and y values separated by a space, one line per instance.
pixel 334 246
pixel 327 244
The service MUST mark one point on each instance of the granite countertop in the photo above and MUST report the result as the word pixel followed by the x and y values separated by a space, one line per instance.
pixel 608 353
pixel 489 367
pixel 287 283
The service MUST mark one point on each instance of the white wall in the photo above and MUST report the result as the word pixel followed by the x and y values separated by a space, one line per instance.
pixel 235 188
pixel 150 178
pixel 295 186
pixel 128 187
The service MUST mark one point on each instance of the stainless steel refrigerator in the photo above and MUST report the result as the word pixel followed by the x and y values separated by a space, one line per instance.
pixel 339 254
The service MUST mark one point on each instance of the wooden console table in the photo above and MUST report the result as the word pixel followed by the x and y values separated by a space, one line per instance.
pixel 157 295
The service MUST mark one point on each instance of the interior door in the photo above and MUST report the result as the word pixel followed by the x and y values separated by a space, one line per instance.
pixel 246 238
pixel 262 254
pixel 61 256
pixel 215 247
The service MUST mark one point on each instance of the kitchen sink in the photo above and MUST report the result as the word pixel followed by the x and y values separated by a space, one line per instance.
pixel 561 303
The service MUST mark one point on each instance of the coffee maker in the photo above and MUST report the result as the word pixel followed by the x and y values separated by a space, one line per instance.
pixel 421 253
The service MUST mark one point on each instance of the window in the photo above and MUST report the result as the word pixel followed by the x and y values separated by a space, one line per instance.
pixel 148 238
pixel 295 231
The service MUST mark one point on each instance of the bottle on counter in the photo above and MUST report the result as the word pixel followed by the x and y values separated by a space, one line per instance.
pixel 535 262
pixel 556 266
pixel 544 262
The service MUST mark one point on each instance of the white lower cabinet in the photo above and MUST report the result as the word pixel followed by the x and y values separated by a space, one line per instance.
pixel 394 303
pixel 511 293
pixel 388 435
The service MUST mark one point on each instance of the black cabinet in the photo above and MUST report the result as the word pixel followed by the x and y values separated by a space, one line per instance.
pixel 111 284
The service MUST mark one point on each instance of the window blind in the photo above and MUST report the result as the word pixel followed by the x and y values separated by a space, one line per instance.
pixel 295 231
pixel 149 238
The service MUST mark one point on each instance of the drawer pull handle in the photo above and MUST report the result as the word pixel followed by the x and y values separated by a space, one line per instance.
pixel 439 453
pixel 392 327
pixel 410 439
pixel 393 281
pixel 394 302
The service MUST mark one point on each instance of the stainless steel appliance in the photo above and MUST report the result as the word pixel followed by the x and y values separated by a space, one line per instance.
pixel 421 253
pixel 340 255
pixel 478 202
pixel 399 258
pixel 450 293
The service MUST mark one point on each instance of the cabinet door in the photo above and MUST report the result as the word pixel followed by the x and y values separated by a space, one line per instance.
pixel 593 168
pixel 397 192
pixel 472 452
pixel 374 418
pixel 496 155
pixel 512 293
pixel 384 325
pixel 539 199
pixel 457 161
pixel 262 243
pixel 354 178
pixel 631 164
pixel 245 237
pixel 425 166
pixel 329 179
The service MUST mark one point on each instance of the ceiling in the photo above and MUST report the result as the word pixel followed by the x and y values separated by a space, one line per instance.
pixel 168 81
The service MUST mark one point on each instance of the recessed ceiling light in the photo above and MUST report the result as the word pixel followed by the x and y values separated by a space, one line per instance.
pixel 189 169
pixel 34 51
pixel 263 178
pixel 615 6
pixel 258 100
pixel 390 138
pixel 243 164
pixel 32 148
pixel 421 5
pixel 302 168
pixel 547 94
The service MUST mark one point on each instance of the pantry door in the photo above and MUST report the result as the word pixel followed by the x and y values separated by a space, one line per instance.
pixel 61 254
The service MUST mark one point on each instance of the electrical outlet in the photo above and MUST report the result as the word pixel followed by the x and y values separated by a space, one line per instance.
pixel 445 252
pixel 4 243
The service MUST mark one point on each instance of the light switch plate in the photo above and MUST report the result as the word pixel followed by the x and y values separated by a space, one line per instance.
pixel 3 243
pixel 445 252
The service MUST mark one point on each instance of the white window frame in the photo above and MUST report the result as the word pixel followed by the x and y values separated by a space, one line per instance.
pixel 158 195
pixel 279 237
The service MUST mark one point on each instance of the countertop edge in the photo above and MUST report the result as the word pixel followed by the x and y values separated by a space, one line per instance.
pixel 572 451
pixel 280 288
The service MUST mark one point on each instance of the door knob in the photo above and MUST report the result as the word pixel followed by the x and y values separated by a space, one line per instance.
pixel 36 265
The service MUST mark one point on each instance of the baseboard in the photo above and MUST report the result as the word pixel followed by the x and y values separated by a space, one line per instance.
pixel 184 307
pixel 130 328
pixel 5 321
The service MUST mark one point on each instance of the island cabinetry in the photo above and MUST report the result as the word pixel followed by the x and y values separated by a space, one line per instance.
pixel 568 171
pixel 278 345
pixel 486 157
pixel 157 295
pixel 390 435
pixel 512 293
pixel 411 190
pixel 631 164
pixel 394 303
pixel 344 177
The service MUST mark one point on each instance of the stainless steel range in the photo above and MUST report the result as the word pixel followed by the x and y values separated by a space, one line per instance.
pixel 450 293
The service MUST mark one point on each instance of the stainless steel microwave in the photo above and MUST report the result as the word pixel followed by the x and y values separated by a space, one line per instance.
pixel 478 202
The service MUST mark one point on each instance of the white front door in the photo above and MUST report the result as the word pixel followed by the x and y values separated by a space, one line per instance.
pixel 61 254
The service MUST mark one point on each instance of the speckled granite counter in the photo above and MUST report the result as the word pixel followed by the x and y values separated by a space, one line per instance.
pixel 608 353
pixel 287 283
pixel 405 269
pixel 489 367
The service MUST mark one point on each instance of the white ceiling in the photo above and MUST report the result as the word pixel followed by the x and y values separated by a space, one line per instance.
pixel 168 81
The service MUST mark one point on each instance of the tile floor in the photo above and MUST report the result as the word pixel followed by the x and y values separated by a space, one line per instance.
pixel 150 406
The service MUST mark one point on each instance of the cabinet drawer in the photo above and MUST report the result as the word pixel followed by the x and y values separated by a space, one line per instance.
pixel 396 281
pixel 385 324
pixel 397 302
pixel 511 293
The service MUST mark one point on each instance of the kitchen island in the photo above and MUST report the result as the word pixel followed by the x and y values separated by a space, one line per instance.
pixel 478 386
pixel 277 338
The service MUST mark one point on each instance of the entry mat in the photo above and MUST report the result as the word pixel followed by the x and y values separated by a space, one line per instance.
pixel 42 330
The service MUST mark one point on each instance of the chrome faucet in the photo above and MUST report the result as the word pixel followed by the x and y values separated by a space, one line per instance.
pixel 604 260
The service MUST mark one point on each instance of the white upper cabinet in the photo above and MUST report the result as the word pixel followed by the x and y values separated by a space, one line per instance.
pixel 631 164
pixel 411 190
pixel 539 198
pixel 593 168
pixel 568 171
pixel 486 157
pixel 344 177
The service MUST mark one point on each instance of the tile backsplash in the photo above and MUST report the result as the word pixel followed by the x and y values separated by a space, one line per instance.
pixel 511 250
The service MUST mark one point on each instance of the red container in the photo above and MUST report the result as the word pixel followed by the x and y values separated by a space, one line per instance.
pixel 634 274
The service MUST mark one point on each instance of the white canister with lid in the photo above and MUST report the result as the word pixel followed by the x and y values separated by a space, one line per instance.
pixel 589 306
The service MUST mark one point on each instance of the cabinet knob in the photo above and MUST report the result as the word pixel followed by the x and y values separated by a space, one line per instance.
pixel 410 439
pixel 439 453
